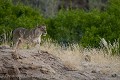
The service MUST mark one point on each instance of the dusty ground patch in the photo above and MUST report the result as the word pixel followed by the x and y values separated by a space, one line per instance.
pixel 55 63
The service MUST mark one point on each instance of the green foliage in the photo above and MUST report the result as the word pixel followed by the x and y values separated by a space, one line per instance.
pixel 64 27
pixel 86 28
pixel 19 15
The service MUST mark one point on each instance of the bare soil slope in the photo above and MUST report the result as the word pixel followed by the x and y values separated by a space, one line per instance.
pixel 34 65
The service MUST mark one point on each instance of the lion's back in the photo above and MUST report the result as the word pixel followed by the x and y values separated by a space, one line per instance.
pixel 18 33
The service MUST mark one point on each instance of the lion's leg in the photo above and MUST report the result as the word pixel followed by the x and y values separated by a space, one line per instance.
pixel 17 45
pixel 36 45
pixel 39 42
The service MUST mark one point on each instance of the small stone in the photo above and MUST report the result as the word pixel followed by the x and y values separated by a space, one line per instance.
pixel 87 58
pixel 93 71
pixel 5 47
pixel 114 75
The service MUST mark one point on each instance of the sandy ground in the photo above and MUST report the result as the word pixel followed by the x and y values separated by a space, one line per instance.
pixel 42 65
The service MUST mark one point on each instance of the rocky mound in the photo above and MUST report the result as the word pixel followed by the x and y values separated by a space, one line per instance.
pixel 34 65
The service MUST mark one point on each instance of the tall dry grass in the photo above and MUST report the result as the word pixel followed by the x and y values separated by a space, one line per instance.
pixel 6 38
pixel 111 48
pixel 77 57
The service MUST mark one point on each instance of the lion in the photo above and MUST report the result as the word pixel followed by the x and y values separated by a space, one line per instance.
pixel 33 36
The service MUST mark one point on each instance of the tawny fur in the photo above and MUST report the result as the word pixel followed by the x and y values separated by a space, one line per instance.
pixel 33 36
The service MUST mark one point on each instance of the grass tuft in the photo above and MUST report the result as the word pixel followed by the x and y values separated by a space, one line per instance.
pixel 111 48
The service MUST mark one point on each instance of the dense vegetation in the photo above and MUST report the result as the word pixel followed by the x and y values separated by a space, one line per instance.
pixel 68 26
pixel 19 15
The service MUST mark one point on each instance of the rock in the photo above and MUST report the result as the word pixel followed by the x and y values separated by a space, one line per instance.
pixel 47 70
pixel 87 58
pixel 114 75
pixel 5 47
pixel 15 56
pixel 93 71
pixel 43 66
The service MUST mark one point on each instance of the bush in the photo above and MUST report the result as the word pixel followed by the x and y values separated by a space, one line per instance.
pixel 19 15
pixel 78 26
pixel 86 28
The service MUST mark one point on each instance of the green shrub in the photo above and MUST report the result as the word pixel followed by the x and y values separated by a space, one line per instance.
pixel 76 26
pixel 65 26
pixel 19 15
pixel 86 28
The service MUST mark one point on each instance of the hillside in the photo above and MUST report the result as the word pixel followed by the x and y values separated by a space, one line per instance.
pixel 34 65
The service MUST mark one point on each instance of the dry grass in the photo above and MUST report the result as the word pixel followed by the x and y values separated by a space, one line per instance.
pixel 5 38
pixel 70 57
pixel 75 58
pixel 111 48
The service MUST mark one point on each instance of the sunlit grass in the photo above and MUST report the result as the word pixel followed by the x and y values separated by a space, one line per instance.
pixel 111 48
pixel 75 58
pixel 5 38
